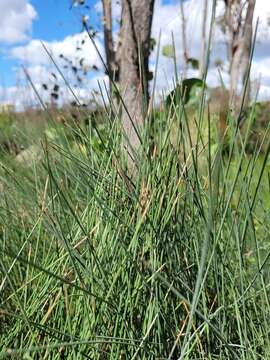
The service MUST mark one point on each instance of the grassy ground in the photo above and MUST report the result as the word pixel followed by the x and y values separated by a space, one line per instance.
pixel 169 263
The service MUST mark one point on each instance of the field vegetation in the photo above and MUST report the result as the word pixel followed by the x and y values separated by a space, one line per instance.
pixel 171 261
pixel 147 243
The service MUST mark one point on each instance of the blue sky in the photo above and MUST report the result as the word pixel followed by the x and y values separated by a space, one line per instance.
pixel 24 23
pixel 54 21
pixel 57 18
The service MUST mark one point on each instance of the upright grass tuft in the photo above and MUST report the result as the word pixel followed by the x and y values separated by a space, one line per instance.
pixel 169 263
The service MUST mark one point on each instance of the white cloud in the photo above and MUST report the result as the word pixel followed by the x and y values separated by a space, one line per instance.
pixel 70 47
pixel 20 96
pixel 23 96
pixel 16 17
pixel 167 20
pixel 73 52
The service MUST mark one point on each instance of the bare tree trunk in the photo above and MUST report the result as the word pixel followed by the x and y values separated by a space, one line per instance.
pixel 184 40
pixel 235 66
pixel 135 40
pixel 203 39
pixel 247 44
pixel 233 19
pixel 239 18
pixel 108 39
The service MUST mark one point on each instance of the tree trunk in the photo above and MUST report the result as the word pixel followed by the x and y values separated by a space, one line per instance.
pixel 108 39
pixel 239 22
pixel 184 40
pixel 233 21
pixel 203 39
pixel 235 65
pixel 247 44
pixel 135 41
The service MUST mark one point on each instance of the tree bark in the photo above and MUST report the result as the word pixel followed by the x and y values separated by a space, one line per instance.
pixel 203 39
pixel 184 40
pixel 239 22
pixel 247 45
pixel 134 70
pixel 108 40
pixel 233 21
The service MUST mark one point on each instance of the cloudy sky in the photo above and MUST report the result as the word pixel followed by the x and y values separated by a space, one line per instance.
pixel 25 24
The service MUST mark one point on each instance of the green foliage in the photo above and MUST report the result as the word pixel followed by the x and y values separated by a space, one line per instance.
pixel 167 260
pixel 168 51
pixel 152 44
pixel 260 124
pixel 188 91
pixel 5 121
pixel 6 125
pixel 194 63
pixel 171 261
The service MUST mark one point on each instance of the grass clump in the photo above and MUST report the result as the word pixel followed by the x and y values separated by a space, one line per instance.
pixel 169 263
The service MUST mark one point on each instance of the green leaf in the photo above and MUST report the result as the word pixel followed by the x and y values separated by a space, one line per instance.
pixel 152 44
pixel 187 89
pixel 168 51
pixel 194 63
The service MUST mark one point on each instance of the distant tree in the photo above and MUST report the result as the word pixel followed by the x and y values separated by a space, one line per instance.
pixel 184 40
pixel 110 52
pixel 169 51
pixel 238 23
pixel 203 39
